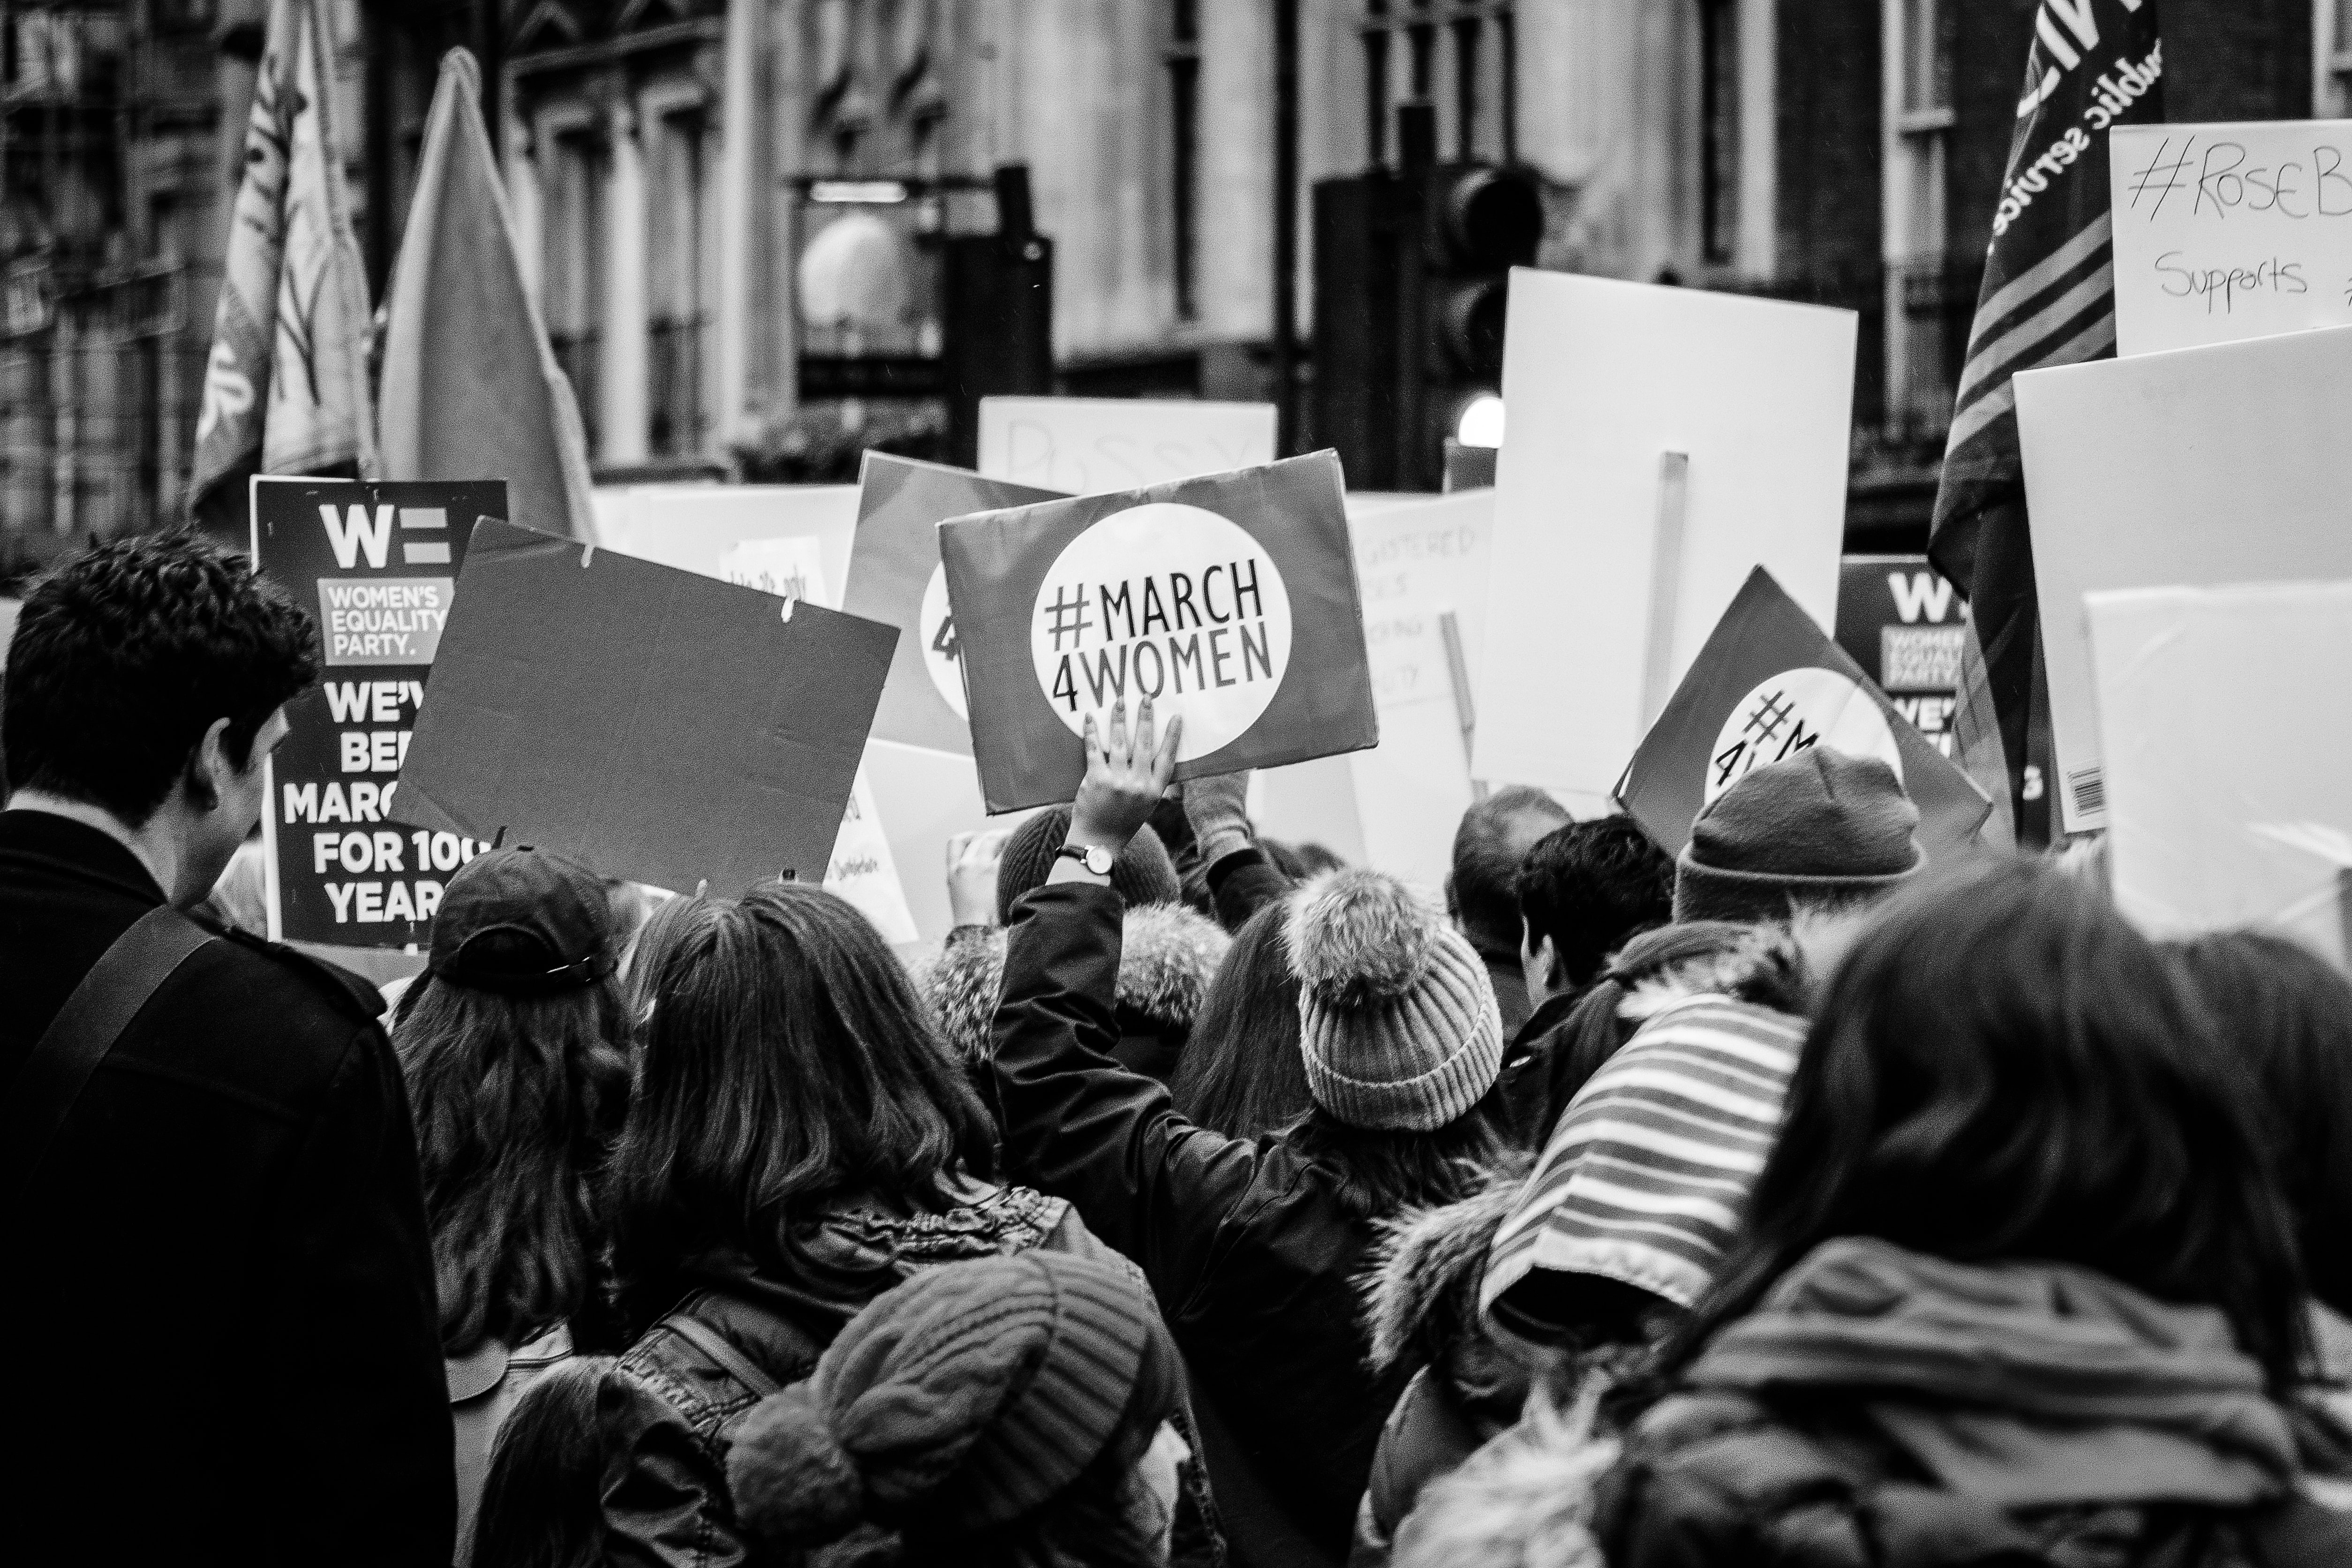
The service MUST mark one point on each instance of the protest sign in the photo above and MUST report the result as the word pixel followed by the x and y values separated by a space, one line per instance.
pixel 2193 468
pixel 703 527
pixel 896 577
pixel 378 565
pixel 1083 444
pixel 1229 600
pixel 864 868
pixel 2226 798
pixel 925 798
pixel 1664 442
pixel 657 724
pixel 1768 685
pixel 2230 231
pixel 1902 621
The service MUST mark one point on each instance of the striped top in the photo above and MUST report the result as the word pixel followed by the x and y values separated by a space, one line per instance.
pixel 1652 1163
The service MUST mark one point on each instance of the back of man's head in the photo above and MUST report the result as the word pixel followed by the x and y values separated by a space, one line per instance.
pixel 1811 832
pixel 125 656
pixel 1496 834
pixel 1591 886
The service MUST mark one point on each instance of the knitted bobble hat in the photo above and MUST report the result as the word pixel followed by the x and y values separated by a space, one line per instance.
pixel 1397 1017
pixel 1816 826
pixel 1143 874
pixel 957 1401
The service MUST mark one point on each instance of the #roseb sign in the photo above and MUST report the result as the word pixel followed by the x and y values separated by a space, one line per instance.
pixel 377 565
pixel 1230 600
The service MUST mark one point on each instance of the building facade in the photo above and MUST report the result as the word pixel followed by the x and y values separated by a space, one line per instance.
pixel 713 196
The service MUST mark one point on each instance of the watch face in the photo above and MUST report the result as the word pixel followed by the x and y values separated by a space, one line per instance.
pixel 1098 860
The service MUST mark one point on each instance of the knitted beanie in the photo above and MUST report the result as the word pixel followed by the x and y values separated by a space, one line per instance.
pixel 1818 825
pixel 1396 1016
pixel 957 1401
pixel 1143 874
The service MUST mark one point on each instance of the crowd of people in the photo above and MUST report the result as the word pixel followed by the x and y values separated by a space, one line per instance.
pixel 1201 1201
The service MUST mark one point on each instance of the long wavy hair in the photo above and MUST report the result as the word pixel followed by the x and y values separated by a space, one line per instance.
pixel 1242 1073
pixel 542 1495
pixel 2003 1068
pixel 517 1100
pixel 784 1061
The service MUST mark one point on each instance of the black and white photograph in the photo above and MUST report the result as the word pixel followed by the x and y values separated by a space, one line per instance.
pixel 1176 784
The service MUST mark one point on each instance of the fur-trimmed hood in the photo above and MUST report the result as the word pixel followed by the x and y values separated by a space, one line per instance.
pixel 1779 967
pixel 1168 956
pixel 1420 1282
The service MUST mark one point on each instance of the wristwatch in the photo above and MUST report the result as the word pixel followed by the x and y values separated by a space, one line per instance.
pixel 1093 856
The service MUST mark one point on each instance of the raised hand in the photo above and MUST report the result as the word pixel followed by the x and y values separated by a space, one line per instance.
pixel 1126 775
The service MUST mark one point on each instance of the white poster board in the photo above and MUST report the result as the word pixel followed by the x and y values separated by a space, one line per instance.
pixel 925 798
pixel 696 527
pixel 1084 446
pixel 2227 764
pixel 2230 231
pixel 1603 378
pixel 2194 469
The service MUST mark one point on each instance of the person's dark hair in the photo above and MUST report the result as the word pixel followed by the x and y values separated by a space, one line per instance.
pixel 1381 1172
pixel 2287 1016
pixel 127 654
pixel 2003 1068
pixel 542 1495
pixel 1494 837
pixel 784 1059
pixel 1300 862
pixel 1590 887
pixel 1241 1073
pixel 517 1101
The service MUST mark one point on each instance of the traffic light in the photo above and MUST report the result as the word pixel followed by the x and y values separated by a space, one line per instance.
pixel 1411 283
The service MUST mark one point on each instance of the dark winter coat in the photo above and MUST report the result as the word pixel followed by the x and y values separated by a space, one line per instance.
pixel 1886 1410
pixel 664 1409
pixel 219 1290
pixel 1247 1243
pixel 1421 1308
pixel 1168 956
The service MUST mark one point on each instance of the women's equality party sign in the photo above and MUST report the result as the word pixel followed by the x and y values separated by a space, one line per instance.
pixel 1230 600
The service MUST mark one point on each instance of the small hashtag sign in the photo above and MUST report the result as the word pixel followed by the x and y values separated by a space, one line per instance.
pixel 2158 169
pixel 1069 615
pixel 1769 715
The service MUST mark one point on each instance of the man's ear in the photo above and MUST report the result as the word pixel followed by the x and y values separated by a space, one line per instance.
pixel 1546 957
pixel 209 767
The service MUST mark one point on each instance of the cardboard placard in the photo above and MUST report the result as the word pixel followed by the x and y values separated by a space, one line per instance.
pixel 1083 444
pixel 700 528
pixel 2226 758
pixel 659 725
pixel 2230 231
pixel 1231 600
pixel 378 565
pixel 1603 381
pixel 1767 686
pixel 2193 468
pixel 925 798
pixel 864 868
pixel 1904 623
pixel 896 577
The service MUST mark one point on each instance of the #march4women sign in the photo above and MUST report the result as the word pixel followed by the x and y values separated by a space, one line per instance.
pixel 1230 600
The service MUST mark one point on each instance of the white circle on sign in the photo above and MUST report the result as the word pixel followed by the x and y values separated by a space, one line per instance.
pixel 942 654
pixel 1168 601
pixel 1794 712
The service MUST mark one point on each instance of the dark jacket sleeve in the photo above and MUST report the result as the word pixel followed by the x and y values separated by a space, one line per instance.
pixel 1243 883
pixel 665 1504
pixel 1081 1127
pixel 356 1334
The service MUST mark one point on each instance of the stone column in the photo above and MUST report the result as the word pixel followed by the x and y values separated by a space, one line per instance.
pixel 622 374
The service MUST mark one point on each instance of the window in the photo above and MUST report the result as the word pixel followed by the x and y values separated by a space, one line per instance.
pixel 1184 150
pixel 1928 299
pixel 673 276
pixel 575 265
pixel 1718 113
pixel 1456 54
pixel 2335 95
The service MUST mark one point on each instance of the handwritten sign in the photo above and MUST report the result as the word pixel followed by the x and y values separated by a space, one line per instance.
pixel 1083 446
pixel 2230 231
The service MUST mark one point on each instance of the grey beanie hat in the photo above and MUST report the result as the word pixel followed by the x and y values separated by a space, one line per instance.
pixel 1396 1016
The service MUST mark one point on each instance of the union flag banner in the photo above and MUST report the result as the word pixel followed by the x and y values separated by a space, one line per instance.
pixel 2048 299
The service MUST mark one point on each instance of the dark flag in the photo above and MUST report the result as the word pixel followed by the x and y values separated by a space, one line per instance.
pixel 2048 299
